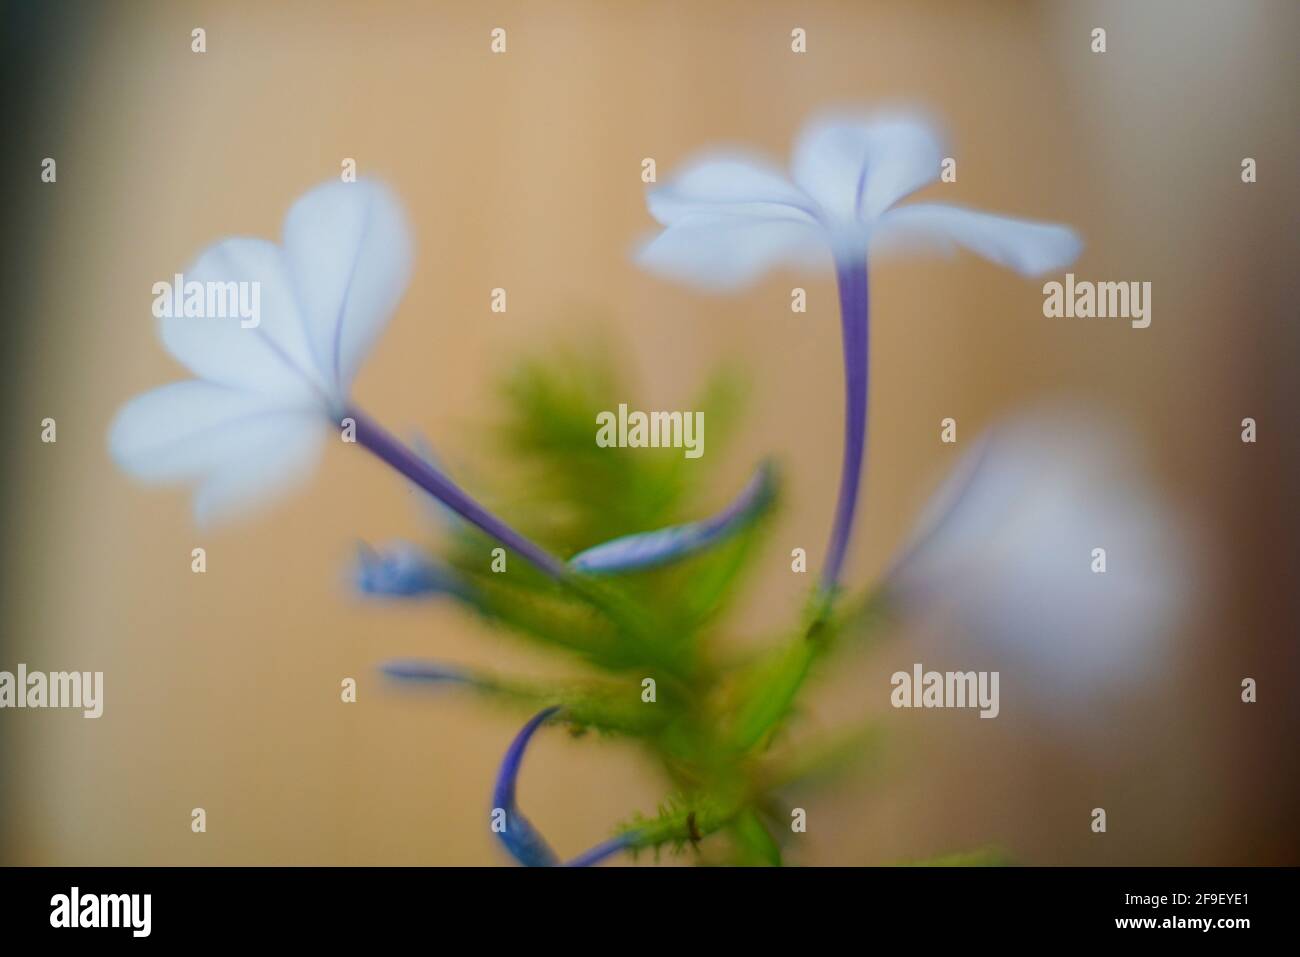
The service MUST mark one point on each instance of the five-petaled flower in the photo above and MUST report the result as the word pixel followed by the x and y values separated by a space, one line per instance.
pixel 255 419
pixel 728 217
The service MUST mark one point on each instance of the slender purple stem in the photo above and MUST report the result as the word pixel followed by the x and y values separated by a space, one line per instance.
pixel 375 438
pixel 595 855
pixel 852 278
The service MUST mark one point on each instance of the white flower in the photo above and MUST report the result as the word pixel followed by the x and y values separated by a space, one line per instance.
pixel 254 420
pixel 1005 555
pixel 728 217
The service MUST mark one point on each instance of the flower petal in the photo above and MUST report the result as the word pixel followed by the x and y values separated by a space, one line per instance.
pixel 273 357
pixel 349 252
pixel 650 549
pixel 185 430
pixel 241 446
pixel 738 184
pixel 720 252
pixel 857 167
pixel 520 838
pixel 282 455
pixel 1030 248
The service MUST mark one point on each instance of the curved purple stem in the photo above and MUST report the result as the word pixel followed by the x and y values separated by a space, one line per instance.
pixel 375 438
pixel 520 838
pixel 595 855
pixel 524 842
pixel 852 278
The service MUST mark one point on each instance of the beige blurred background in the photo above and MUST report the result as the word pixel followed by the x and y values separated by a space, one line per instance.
pixel 522 171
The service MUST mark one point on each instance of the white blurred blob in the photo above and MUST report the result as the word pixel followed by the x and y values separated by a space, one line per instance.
pixel 1004 556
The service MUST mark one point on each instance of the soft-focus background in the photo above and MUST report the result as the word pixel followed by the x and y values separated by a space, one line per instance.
pixel 522 171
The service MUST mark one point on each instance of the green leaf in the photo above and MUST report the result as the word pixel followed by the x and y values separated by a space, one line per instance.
pixel 605 706
pixel 768 693
pixel 755 843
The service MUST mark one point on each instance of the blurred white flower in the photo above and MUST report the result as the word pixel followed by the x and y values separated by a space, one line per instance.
pixel 252 422
pixel 729 216
pixel 1005 555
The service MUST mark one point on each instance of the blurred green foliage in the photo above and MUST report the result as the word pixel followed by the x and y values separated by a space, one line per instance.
pixel 715 714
